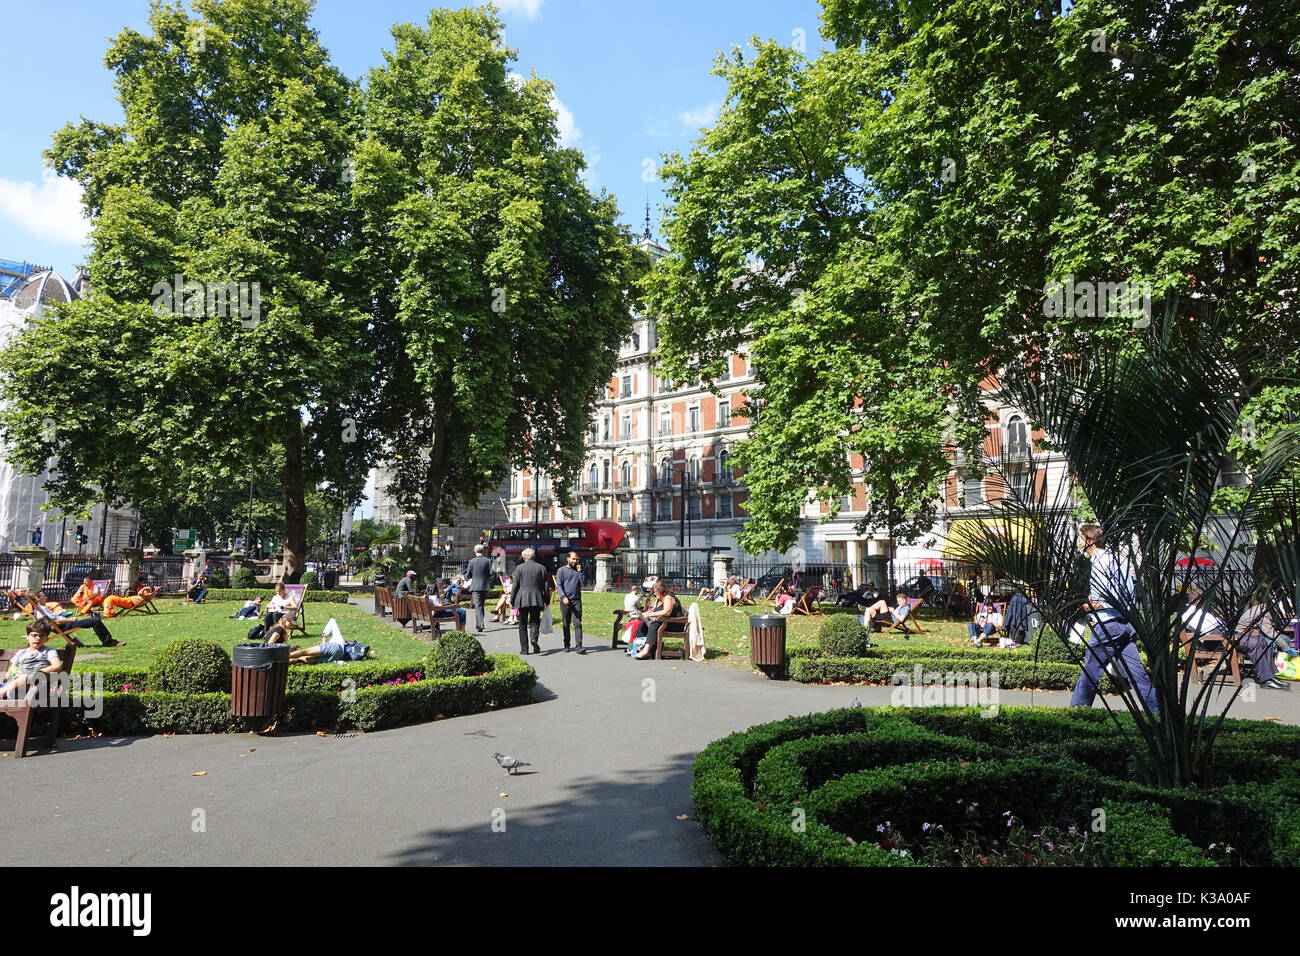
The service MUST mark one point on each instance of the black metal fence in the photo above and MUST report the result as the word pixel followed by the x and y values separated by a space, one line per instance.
pixel 64 573
pixel 10 572
pixel 166 571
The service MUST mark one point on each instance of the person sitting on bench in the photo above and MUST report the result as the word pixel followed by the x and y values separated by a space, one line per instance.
pixel 503 603
pixel 88 596
pixel 1198 619
pixel 34 659
pixel 112 602
pixel 441 606
pixel 665 608
pixel 329 649
pixel 898 613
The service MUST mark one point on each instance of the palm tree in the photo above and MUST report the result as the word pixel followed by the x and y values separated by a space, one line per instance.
pixel 1144 424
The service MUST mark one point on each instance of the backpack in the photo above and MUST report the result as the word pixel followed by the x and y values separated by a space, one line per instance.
pixel 355 651
pixel 255 633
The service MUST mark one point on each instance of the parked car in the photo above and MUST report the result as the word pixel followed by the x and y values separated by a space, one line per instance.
pixel 73 577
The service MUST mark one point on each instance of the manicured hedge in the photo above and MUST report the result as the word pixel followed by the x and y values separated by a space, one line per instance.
pixel 818 790
pixel 247 594
pixel 1013 670
pixel 316 700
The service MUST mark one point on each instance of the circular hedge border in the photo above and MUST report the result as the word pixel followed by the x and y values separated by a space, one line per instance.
pixel 833 788
pixel 247 594
pixel 331 696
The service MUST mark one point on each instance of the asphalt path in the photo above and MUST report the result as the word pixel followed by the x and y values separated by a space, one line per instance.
pixel 610 742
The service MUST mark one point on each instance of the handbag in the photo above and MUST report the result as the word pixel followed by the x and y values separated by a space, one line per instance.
pixel 548 623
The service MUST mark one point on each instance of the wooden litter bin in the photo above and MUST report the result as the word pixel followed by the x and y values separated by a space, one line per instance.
pixel 258 678
pixel 767 643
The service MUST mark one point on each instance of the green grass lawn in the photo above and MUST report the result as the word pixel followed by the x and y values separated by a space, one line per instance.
pixel 146 635
pixel 726 633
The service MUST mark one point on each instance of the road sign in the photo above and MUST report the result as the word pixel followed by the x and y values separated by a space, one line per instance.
pixel 183 539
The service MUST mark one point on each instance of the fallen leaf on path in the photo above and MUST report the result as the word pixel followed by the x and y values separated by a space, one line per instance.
pixel 252 750
pixel 321 733
pixel 682 816
pixel 199 773
pixel 503 794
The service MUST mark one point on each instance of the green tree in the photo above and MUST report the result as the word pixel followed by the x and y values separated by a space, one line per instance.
pixel 231 166
pixel 500 282
pixel 883 226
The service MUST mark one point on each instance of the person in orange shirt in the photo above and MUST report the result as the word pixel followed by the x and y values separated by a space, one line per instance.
pixel 112 602
pixel 88 596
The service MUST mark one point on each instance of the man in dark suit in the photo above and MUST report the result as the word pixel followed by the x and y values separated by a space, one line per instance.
pixel 531 594
pixel 480 581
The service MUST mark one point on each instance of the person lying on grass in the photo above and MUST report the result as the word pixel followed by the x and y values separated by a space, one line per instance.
pixel 329 649
pixel 34 659
pixel 252 608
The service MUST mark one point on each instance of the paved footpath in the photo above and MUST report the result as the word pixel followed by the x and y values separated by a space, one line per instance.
pixel 610 776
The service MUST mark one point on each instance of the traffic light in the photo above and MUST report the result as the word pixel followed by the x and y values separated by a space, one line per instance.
pixel 81 534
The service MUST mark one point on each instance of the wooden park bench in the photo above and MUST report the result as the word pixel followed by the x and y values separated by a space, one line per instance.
pixel 24 710
pixel 671 627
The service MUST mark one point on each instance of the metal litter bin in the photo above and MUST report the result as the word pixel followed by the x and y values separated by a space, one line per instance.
pixel 330 578
pixel 767 643
pixel 258 678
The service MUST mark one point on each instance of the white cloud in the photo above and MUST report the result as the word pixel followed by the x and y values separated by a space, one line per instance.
pixel 51 210
pixel 531 9
pixel 693 120
pixel 569 131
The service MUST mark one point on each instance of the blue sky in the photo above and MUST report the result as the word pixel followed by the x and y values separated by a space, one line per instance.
pixel 632 80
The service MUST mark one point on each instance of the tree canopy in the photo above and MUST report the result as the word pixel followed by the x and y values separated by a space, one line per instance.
pixel 883 227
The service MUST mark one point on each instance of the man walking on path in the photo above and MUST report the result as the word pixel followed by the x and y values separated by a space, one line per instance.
pixel 1111 582
pixel 531 594
pixel 568 581
pixel 480 581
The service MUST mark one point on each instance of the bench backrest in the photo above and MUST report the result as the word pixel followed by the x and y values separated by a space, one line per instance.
pixel 420 610
pixel 67 655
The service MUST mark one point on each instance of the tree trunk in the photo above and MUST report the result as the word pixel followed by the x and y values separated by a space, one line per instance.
pixel 295 500
pixel 426 515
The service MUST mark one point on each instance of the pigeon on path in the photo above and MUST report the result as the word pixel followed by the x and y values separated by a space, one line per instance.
pixel 510 764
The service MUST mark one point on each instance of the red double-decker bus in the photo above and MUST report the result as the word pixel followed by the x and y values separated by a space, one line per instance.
pixel 552 540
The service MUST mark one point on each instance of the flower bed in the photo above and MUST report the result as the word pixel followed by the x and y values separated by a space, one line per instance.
pixel 361 696
pixel 882 787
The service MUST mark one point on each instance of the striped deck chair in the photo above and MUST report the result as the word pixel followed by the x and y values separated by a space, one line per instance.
pixel 906 625
pixel 809 602
pixel 747 594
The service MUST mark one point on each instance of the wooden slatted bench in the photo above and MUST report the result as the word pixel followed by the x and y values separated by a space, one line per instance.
pixel 23 710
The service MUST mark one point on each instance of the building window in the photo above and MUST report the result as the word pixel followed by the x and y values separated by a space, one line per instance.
pixel 665 509
pixel 625 474
pixel 605 482
pixel 1019 482
pixel 724 506
pixel 694 466
pixel 625 511
pixel 593 476
pixel 591 511
pixel 606 438
pixel 726 370
pixel 724 414
pixel 666 471
pixel 724 465
pixel 694 418
pixel 627 385
pixel 636 341
pixel 625 428
pixel 972 492
pixel 846 503
pixel 1017 438
pixel 604 509
pixel 694 511
pixel 514 484
pixel 665 423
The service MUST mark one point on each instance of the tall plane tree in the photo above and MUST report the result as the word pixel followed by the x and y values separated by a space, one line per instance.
pixel 501 293
pixel 225 299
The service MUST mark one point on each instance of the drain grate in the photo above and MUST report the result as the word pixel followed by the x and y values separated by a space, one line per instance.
pixel 345 736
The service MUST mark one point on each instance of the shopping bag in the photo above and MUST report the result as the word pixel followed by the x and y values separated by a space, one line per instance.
pixel 547 621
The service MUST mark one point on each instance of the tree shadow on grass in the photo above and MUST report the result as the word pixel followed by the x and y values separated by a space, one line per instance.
pixel 632 821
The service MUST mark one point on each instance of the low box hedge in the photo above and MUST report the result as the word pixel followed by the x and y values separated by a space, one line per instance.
pixel 819 790
pixel 1013 670
pixel 247 594
pixel 315 700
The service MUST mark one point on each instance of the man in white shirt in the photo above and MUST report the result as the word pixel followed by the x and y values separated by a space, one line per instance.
pixel 1111 582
